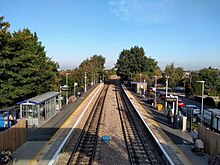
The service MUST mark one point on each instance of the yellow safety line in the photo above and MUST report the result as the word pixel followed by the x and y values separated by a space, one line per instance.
pixel 162 131
pixel 34 159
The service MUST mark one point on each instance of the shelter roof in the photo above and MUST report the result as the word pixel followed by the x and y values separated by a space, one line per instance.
pixel 40 98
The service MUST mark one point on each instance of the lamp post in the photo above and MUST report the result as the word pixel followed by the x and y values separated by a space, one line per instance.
pixel 140 77
pixel 167 77
pixel 67 78
pixel 85 82
pixel 92 79
pixel 74 89
pixel 155 95
pixel 203 84
pixel 140 90
pixel 67 101
pixel 131 79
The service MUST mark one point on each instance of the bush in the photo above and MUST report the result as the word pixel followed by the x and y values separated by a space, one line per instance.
pixel 218 105
pixel 209 101
pixel 198 98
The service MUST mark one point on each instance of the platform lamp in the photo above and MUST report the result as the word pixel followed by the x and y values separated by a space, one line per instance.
pixel 67 89
pixel 85 82
pixel 167 78
pixel 155 95
pixel 203 84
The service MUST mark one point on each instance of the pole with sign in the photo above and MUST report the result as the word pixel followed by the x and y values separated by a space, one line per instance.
pixel 65 88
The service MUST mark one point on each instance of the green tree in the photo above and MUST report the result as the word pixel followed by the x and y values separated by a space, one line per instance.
pixel 5 50
pixel 211 77
pixel 93 67
pixel 124 68
pixel 175 74
pixel 25 70
pixel 212 81
pixel 97 63
pixel 211 86
pixel 133 62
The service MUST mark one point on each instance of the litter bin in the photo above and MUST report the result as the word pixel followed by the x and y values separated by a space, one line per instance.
pixel 159 107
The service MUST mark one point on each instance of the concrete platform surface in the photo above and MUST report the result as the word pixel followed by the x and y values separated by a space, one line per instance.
pixel 182 139
pixel 37 138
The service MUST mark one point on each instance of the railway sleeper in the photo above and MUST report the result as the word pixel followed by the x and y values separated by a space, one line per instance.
pixel 85 138
pixel 138 160
pixel 86 148
pixel 82 160
pixel 90 132
pixel 151 153
pixel 133 134
pixel 140 152
pixel 80 154
pixel 136 141
pixel 88 141
pixel 137 146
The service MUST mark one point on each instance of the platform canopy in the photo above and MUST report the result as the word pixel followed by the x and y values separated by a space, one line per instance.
pixel 40 98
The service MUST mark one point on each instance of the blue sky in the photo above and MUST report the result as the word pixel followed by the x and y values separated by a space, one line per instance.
pixel 186 32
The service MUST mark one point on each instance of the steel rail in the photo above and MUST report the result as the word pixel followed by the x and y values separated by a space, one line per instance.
pixel 136 145
pixel 86 144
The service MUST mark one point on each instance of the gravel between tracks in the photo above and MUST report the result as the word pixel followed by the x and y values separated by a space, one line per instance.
pixel 113 152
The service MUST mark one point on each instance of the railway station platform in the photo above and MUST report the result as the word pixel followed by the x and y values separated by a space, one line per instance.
pixel 43 139
pixel 175 142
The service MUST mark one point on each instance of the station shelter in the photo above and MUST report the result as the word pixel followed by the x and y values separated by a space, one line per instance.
pixel 40 109
pixel 7 117
pixel 172 105
pixel 139 87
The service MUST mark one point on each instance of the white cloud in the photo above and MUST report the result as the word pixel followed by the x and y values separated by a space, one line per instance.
pixel 146 11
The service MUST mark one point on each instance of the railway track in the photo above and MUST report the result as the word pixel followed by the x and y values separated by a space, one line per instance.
pixel 139 150
pixel 83 150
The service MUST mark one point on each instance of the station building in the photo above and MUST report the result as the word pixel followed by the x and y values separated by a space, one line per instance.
pixel 40 109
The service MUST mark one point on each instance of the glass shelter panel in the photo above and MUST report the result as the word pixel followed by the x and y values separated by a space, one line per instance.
pixel 29 111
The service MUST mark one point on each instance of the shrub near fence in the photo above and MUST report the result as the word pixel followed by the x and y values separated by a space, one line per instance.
pixel 219 105
pixel 207 100
pixel 13 137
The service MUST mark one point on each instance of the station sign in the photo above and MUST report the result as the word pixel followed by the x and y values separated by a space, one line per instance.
pixel 64 88
pixel 169 99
